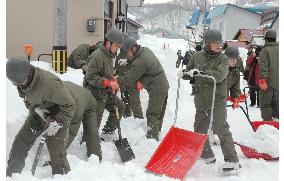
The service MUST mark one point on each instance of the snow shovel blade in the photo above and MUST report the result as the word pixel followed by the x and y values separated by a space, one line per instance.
pixel 177 153
pixel 125 152
pixel 252 153
pixel 256 124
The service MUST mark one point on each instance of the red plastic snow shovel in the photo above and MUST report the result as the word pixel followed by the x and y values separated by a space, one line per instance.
pixel 256 124
pixel 250 152
pixel 180 148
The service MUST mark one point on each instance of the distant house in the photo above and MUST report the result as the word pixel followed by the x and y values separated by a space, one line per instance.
pixel 245 35
pixel 133 26
pixel 32 22
pixel 229 18
pixel 275 25
pixel 270 20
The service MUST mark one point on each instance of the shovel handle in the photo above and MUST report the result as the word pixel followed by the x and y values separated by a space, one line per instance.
pixel 117 118
pixel 247 116
pixel 39 150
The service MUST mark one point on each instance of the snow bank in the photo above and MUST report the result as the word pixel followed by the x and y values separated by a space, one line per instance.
pixel 265 140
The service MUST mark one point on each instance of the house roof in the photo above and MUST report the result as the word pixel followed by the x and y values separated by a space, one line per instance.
pixel 248 33
pixel 217 11
pixel 220 11
pixel 206 20
pixel 134 23
pixel 194 18
pixel 261 7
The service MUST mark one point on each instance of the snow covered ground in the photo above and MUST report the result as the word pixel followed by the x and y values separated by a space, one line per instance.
pixel 111 168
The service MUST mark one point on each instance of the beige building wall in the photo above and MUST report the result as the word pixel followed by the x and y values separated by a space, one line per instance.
pixel 31 21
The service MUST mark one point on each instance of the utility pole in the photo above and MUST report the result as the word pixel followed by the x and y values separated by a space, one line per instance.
pixel 204 28
pixel 59 49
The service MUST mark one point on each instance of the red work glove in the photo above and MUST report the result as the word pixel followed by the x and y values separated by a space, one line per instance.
pixel 263 84
pixel 235 103
pixel 106 83
pixel 139 86
pixel 114 86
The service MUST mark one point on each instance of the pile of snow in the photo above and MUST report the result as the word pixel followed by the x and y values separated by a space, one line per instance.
pixel 111 168
pixel 265 140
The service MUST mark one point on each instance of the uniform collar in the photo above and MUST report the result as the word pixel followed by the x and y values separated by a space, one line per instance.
pixel 210 53
pixel 106 51
pixel 140 50
pixel 34 81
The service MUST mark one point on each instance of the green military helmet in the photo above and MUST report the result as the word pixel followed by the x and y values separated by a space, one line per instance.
pixel 232 52
pixel 125 35
pixel 270 34
pixel 115 36
pixel 213 36
pixel 128 43
pixel 17 70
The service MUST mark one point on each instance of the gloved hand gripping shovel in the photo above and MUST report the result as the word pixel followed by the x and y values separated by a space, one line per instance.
pixel 180 148
pixel 122 145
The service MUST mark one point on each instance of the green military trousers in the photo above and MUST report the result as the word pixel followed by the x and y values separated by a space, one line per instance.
pixel 269 103
pixel 155 114
pixel 219 127
pixel 131 99
pixel 90 131
pixel 26 137
pixel 109 104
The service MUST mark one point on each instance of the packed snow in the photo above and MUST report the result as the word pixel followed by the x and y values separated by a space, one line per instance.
pixel 111 168
pixel 265 140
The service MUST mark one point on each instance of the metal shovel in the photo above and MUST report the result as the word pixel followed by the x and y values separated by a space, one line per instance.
pixel 122 145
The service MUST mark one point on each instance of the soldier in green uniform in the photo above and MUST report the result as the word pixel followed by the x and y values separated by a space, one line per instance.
pixel 212 62
pixel 101 81
pixel 56 107
pixel 269 77
pixel 79 57
pixel 233 79
pixel 146 68
pixel 130 95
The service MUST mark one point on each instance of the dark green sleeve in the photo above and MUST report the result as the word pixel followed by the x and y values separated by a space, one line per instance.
pixel 93 72
pixel 263 64
pixel 241 65
pixel 235 91
pixel 137 69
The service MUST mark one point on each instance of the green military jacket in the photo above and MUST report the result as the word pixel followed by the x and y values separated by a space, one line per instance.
pixel 269 64
pixel 100 67
pixel 215 65
pixel 83 98
pixel 47 91
pixel 233 83
pixel 79 56
pixel 146 68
